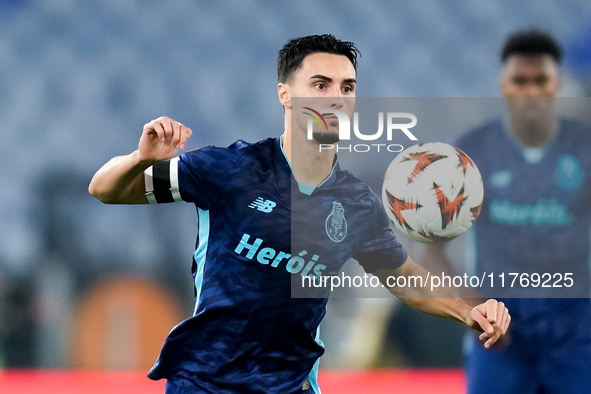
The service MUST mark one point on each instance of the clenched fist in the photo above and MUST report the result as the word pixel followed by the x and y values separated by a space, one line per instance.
pixel 162 138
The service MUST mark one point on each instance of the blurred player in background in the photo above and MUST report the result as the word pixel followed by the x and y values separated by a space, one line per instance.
pixel 535 218
pixel 264 219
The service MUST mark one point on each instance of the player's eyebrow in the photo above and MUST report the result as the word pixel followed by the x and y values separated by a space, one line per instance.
pixel 328 79
pixel 321 77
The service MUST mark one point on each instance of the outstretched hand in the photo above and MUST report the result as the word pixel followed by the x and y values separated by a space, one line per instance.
pixel 492 319
pixel 162 138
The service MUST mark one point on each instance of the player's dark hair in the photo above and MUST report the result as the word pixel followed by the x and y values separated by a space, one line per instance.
pixel 531 42
pixel 292 54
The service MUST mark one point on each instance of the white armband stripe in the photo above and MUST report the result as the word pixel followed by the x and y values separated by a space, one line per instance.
pixel 149 181
pixel 174 179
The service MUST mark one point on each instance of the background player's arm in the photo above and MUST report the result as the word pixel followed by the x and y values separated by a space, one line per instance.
pixel 121 179
pixel 490 317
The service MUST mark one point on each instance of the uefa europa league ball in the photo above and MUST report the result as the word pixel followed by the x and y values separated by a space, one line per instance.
pixel 432 192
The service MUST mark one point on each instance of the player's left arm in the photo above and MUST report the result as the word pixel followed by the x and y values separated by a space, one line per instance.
pixel 491 318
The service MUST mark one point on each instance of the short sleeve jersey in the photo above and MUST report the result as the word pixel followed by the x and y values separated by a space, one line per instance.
pixel 257 234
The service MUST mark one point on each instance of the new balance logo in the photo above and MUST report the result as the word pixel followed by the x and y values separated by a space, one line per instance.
pixel 263 205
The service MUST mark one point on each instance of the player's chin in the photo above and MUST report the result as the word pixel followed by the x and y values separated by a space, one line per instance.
pixel 326 137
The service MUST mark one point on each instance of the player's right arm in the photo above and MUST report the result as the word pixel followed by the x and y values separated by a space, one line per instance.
pixel 121 179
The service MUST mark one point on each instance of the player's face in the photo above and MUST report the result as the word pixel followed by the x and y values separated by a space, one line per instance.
pixel 529 82
pixel 329 81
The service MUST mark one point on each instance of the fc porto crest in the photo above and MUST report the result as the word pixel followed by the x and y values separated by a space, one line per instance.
pixel 336 224
pixel 569 176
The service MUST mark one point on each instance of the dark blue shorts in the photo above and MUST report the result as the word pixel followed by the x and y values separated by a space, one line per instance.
pixel 529 367
pixel 172 388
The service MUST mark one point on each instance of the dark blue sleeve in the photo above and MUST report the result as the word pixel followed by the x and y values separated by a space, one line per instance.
pixel 380 249
pixel 203 172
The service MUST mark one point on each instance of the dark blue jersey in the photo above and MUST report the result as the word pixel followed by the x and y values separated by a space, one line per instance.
pixel 535 219
pixel 260 232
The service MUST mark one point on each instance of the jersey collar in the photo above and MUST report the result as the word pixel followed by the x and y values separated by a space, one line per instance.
pixel 531 155
pixel 303 187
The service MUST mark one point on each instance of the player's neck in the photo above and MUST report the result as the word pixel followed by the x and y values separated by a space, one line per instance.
pixel 533 134
pixel 308 164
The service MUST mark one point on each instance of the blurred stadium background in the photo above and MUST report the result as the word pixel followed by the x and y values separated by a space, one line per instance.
pixel 85 286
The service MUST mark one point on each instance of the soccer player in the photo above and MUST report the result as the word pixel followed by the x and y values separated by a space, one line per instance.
pixel 535 219
pixel 265 218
